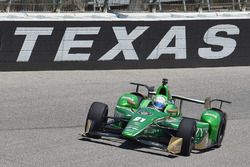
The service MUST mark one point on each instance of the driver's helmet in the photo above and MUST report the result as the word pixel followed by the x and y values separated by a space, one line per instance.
pixel 159 102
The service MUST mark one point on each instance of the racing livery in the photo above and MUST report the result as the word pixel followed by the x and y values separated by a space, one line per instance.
pixel 155 119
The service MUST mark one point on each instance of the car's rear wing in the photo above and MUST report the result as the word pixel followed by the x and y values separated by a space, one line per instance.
pixel 207 102
pixel 149 88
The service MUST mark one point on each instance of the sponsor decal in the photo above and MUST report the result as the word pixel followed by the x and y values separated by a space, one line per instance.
pixel 201 132
pixel 139 119
pixel 144 112
pixel 132 127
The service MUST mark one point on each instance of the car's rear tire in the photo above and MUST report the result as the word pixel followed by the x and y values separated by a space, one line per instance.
pixel 222 129
pixel 187 129
pixel 96 119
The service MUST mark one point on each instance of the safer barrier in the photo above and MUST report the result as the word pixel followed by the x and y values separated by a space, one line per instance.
pixel 61 45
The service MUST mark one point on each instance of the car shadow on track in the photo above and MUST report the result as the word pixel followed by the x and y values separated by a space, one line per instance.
pixel 202 151
pixel 130 145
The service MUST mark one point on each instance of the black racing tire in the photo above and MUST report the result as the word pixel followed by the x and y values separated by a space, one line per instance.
pixel 186 130
pixel 97 114
pixel 222 128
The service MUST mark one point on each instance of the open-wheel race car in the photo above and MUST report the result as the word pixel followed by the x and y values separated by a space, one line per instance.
pixel 155 119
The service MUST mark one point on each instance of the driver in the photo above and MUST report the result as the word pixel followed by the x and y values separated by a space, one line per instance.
pixel 159 102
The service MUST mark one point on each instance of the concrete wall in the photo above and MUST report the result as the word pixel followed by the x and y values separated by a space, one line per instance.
pixel 55 45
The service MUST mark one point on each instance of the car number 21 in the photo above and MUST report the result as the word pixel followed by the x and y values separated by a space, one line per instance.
pixel 139 119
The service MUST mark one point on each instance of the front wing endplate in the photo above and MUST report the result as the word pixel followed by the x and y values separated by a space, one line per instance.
pixel 174 145
pixel 87 126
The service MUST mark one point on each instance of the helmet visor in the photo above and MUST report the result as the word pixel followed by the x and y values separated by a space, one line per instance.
pixel 159 105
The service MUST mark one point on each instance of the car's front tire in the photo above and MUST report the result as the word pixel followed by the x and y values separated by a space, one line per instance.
pixel 187 129
pixel 96 119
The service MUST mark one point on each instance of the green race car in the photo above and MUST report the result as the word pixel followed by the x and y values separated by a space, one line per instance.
pixel 154 119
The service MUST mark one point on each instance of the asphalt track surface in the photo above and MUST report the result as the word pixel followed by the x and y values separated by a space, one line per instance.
pixel 42 115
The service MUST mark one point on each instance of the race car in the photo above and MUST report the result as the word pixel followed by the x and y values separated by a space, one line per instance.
pixel 154 119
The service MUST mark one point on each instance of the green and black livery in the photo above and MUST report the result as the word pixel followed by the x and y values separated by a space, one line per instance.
pixel 136 118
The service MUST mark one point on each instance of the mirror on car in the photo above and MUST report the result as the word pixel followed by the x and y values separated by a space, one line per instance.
pixel 132 103
pixel 172 110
